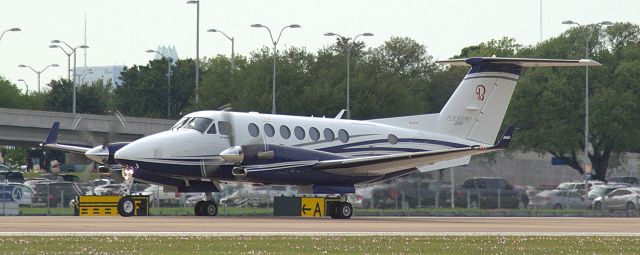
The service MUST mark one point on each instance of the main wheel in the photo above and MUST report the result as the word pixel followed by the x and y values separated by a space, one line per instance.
pixel 631 207
pixel 209 208
pixel 343 210
pixel 126 206
pixel 198 208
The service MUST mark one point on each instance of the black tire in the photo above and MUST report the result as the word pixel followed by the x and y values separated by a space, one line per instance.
pixel 198 208
pixel 631 207
pixel 209 208
pixel 597 206
pixel 557 207
pixel 343 210
pixel 126 207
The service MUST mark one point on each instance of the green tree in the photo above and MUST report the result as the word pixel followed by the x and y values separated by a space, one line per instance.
pixel 10 94
pixel 548 105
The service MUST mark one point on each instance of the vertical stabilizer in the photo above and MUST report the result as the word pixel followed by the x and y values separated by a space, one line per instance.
pixel 477 107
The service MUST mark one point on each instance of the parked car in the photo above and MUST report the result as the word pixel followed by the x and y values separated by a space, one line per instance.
pixel 633 181
pixel 16 192
pixel 11 176
pixel 490 192
pixel 257 196
pixel 160 196
pixel 622 199
pixel 413 193
pixel 597 193
pixel 578 185
pixel 559 199
pixel 55 193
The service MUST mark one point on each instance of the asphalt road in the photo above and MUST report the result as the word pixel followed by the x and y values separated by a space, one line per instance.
pixel 320 225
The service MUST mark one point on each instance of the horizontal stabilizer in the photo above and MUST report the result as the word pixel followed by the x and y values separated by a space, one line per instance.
pixel 524 62
pixel 506 138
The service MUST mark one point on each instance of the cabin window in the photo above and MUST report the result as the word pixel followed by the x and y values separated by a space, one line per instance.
pixel 200 124
pixel 314 134
pixel 285 132
pixel 269 130
pixel 224 128
pixel 329 135
pixel 393 139
pixel 254 130
pixel 212 129
pixel 299 131
pixel 343 135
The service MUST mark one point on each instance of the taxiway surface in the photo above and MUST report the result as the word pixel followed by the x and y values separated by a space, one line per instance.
pixel 319 225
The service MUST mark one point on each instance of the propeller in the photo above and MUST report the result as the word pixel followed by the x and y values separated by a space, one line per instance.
pixel 100 152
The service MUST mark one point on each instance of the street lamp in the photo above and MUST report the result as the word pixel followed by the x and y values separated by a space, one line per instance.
pixel 83 75
pixel 197 3
pixel 15 29
pixel 73 51
pixel 348 48
pixel 275 53
pixel 38 72
pixel 26 85
pixel 168 80
pixel 587 161
pixel 68 59
pixel 213 30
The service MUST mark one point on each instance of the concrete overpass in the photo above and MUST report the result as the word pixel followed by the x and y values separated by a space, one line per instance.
pixel 30 128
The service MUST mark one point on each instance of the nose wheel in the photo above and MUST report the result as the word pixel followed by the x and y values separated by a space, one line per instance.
pixel 208 207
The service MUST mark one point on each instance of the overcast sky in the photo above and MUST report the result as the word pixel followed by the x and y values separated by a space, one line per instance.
pixel 119 31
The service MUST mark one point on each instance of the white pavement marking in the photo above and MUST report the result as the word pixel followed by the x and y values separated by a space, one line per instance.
pixel 305 234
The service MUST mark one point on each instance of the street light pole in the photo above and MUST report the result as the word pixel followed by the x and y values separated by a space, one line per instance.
pixel 15 29
pixel 197 3
pixel 348 48
pixel 75 74
pixel 587 161
pixel 26 85
pixel 168 80
pixel 275 53
pixel 68 59
pixel 38 72
pixel 213 30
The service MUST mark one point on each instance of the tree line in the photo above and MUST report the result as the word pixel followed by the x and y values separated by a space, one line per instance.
pixel 396 78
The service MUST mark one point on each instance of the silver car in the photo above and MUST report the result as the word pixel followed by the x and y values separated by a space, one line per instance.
pixel 623 199
pixel 597 193
pixel 559 199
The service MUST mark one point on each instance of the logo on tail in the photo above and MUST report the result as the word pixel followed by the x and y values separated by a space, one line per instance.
pixel 480 90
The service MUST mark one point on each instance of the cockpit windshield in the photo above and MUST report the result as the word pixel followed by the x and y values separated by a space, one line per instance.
pixel 200 124
pixel 180 123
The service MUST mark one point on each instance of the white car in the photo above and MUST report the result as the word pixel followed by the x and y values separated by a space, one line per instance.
pixel 623 199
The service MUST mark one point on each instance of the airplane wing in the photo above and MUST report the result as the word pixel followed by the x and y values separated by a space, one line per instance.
pixel 378 165
pixel 52 142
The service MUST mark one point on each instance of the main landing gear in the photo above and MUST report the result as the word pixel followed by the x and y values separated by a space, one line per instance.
pixel 208 207
pixel 341 209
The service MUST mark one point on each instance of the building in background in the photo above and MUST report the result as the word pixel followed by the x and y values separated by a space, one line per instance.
pixel 89 75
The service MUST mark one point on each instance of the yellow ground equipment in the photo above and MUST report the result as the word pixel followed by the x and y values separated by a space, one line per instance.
pixel 112 206
pixel 312 207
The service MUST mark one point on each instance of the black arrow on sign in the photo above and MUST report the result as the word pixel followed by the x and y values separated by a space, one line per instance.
pixel 305 209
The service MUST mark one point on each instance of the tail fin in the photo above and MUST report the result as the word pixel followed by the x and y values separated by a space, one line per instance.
pixel 53 134
pixel 477 107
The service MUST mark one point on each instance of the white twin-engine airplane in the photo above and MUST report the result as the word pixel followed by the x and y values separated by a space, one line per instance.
pixel 323 155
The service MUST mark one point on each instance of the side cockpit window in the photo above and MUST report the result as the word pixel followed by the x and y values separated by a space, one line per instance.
pixel 224 128
pixel 212 129
pixel 200 124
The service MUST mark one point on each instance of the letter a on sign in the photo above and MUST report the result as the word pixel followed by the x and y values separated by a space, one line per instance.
pixel 317 210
